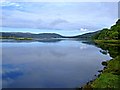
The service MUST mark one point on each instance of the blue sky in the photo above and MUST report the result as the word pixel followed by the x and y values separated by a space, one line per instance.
pixel 67 18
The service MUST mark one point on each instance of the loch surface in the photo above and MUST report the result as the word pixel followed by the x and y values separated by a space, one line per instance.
pixel 59 64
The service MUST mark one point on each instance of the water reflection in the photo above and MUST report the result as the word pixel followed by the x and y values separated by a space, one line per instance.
pixel 35 40
pixel 10 72
pixel 65 64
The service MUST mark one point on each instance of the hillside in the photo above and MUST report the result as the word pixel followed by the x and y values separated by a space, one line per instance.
pixel 86 35
pixel 29 35
pixel 109 34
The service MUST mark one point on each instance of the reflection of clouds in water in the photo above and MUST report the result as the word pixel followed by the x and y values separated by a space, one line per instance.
pixel 58 53
pixel 25 54
pixel 0 66
pixel 83 46
pixel 9 74
pixel 63 64
pixel 0 70
pixel 0 77
pixel 7 82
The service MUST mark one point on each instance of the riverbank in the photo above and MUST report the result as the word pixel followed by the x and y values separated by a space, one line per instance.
pixel 16 38
pixel 107 41
pixel 110 76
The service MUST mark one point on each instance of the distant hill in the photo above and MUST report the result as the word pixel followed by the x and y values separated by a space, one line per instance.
pixel 85 36
pixel 45 35
pixel 30 35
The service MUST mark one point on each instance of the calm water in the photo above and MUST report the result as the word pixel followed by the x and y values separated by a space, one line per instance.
pixel 63 64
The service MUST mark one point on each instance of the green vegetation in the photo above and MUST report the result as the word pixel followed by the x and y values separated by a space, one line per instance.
pixel 16 38
pixel 109 34
pixel 23 38
pixel 108 39
pixel 106 80
pixel 110 78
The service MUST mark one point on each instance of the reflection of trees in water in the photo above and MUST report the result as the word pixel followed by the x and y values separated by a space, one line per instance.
pixel 89 42
pixel 104 52
pixel 49 40
pixel 112 49
pixel 28 41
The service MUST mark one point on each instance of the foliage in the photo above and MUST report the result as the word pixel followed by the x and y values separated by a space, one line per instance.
pixel 110 76
pixel 106 80
pixel 111 45
pixel 109 34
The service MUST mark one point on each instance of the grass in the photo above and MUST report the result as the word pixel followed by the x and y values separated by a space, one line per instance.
pixel 114 66
pixel 106 80
pixel 110 78
pixel 108 41
pixel 23 38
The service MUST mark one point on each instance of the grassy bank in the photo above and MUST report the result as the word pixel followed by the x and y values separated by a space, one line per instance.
pixel 16 38
pixel 110 76
pixel 107 41
pixel 23 38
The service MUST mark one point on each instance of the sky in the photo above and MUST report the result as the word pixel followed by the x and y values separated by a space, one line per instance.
pixel 66 18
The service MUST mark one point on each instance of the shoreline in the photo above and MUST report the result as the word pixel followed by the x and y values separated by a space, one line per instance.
pixel 109 76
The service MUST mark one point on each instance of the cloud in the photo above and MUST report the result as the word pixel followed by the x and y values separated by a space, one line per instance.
pixel 9 4
pixel 58 21
pixel 64 0
pixel 92 16
pixel 83 29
